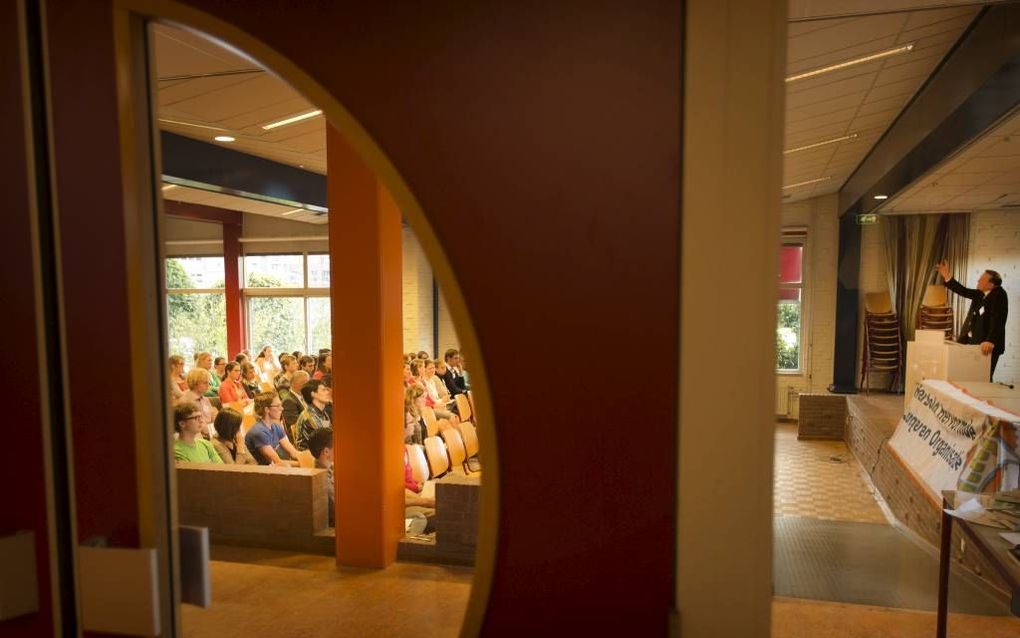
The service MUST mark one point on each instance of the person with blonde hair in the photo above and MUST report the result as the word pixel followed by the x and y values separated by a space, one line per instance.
pixel 414 426
pixel 204 360
pixel 198 385
pixel 176 370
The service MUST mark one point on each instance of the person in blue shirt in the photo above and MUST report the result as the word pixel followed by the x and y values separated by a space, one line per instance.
pixel 266 440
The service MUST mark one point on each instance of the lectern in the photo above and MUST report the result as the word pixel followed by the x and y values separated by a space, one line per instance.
pixel 930 356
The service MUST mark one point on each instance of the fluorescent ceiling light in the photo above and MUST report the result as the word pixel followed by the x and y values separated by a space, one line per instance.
pixel 192 124
pixel 224 138
pixel 808 147
pixel 167 187
pixel 291 212
pixel 881 197
pixel 291 120
pixel 854 62
pixel 810 181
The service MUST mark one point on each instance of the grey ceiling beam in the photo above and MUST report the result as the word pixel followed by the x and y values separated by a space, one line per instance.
pixel 976 85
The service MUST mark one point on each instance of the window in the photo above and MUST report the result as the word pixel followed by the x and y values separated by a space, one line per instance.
pixel 287 300
pixel 788 316
pixel 196 306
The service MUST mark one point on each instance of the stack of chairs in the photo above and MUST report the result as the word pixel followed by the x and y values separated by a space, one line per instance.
pixel 936 313
pixel 883 349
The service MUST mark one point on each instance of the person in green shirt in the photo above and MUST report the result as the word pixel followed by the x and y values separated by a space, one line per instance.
pixel 204 360
pixel 189 446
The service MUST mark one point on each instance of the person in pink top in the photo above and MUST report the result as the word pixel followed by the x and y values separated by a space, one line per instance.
pixel 325 366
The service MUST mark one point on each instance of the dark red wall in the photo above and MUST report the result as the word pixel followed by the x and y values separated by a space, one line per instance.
pixel 22 471
pixel 542 140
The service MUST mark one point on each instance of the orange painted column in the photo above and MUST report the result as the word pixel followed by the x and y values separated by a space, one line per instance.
pixel 365 291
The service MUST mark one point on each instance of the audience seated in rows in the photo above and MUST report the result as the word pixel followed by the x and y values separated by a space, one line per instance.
pixel 198 385
pixel 232 389
pixel 433 397
pixel 189 423
pixel 228 442
pixel 317 396
pixel 290 366
pixel 204 360
pixel 266 440
pixel 293 402
pixel 320 444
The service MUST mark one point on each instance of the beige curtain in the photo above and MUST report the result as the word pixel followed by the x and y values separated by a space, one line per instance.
pixel 956 248
pixel 911 252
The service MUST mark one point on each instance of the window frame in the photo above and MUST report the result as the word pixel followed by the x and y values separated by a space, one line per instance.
pixel 304 293
pixel 796 237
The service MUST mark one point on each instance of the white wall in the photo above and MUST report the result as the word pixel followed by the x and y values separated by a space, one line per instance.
pixel 417 295
pixel 819 216
pixel 995 245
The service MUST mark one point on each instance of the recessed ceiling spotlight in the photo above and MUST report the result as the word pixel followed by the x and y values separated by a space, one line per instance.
pixel 224 138
pixel 291 120
pixel 848 63
pixel 808 147
pixel 881 197
pixel 810 181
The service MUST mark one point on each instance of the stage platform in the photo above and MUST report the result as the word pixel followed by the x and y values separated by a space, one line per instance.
pixel 871 420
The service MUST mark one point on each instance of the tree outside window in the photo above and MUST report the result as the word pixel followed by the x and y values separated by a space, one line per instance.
pixel 196 321
pixel 788 315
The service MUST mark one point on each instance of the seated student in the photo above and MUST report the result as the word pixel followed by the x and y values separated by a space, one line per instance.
pixel 413 490
pixel 266 364
pixel 414 426
pixel 293 403
pixel 433 398
pixel 408 377
pixel 266 440
pixel 320 444
pixel 189 422
pixel 177 384
pixel 324 367
pixel 290 366
pixel 228 442
pixel 198 386
pixel 204 360
pixel 453 361
pixel 327 380
pixel 317 396
pixel 220 365
pixel 307 363
pixel 232 390
pixel 250 379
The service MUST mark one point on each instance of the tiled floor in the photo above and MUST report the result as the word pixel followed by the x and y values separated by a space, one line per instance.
pixel 820 479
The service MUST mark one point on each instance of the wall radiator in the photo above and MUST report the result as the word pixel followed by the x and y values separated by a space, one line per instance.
pixel 782 401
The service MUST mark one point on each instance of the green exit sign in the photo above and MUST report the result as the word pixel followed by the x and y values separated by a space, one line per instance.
pixel 871 218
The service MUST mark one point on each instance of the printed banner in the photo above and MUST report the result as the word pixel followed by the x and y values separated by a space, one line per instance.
pixel 954 441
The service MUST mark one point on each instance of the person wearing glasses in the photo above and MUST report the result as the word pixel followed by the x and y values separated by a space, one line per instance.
pixel 190 447
pixel 266 440
pixel 198 386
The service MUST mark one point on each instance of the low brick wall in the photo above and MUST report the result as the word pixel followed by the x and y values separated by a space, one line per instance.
pixel 822 416
pixel 456 524
pixel 907 498
pixel 256 505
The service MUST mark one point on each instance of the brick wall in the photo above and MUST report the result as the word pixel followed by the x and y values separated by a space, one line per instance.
pixel 456 523
pixel 818 215
pixel 995 244
pixel 447 334
pixel 417 296
pixel 822 416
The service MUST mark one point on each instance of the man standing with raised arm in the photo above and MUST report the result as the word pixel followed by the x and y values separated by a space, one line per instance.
pixel 986 319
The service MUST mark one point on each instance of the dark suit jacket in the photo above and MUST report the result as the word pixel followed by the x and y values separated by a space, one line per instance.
pixel 454 383
pixel 292 406
pixel 986 319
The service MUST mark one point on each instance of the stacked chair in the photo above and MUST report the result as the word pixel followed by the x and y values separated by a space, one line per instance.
pixel 883 349
pixel 936 313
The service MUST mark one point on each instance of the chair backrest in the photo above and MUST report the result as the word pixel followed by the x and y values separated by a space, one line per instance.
pixel 935 296
pixel 464 408
pixel 429 415
pixel 878 302
pixel 435 452
pixel 454 446
pixel 470 436
pixel 305 459
pixel 419 464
